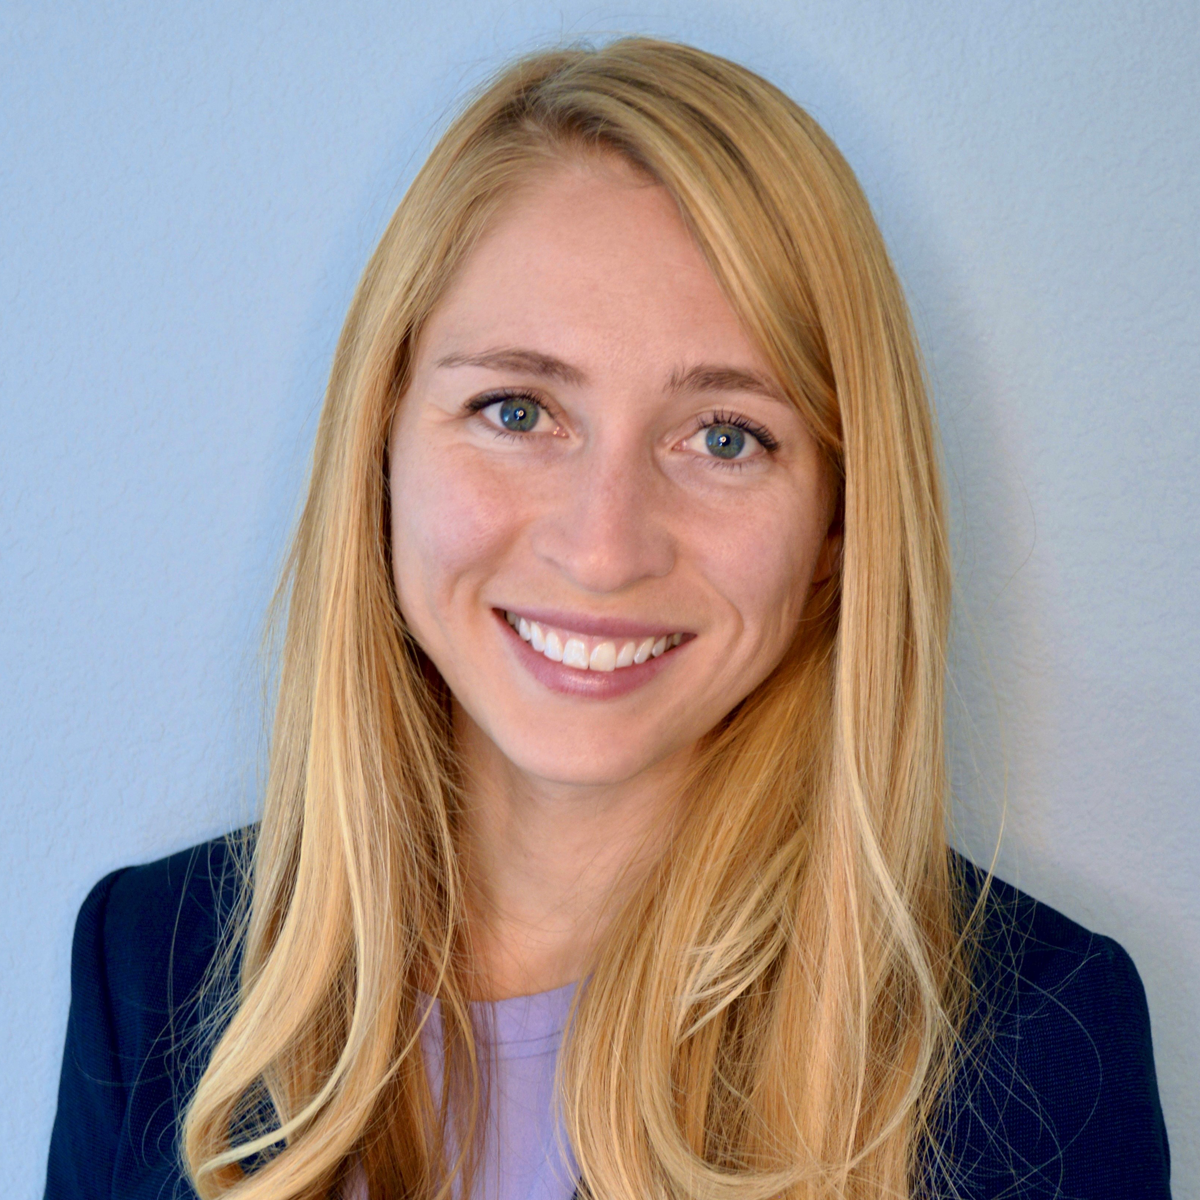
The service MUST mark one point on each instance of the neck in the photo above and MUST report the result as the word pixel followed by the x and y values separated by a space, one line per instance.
pixel 549 863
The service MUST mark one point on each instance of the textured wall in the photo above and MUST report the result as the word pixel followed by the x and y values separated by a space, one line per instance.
pixel 189 192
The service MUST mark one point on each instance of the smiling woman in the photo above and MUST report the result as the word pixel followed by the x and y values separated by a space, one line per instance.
pixel 603 843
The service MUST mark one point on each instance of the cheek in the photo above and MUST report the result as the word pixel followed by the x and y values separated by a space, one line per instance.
pixel 449 523
pixel 763 563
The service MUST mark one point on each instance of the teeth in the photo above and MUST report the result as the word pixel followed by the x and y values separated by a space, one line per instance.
pixel 575 654
pixel 584 654
pixel 604 657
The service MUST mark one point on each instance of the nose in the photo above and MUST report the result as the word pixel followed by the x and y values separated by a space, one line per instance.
pixel 604 523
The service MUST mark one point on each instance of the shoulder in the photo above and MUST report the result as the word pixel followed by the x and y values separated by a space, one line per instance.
pixel 1055 1091
pixel 1034 963
pixel 144 991
pixel 154 929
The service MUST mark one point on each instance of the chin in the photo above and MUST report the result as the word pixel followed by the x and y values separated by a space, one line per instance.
pixel 568 761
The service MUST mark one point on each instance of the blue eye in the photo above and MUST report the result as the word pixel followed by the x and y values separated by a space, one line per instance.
pixel 725 441
pixel 518 415
pixel 732 440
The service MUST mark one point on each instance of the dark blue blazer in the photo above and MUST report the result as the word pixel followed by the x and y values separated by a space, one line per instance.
pixel 1058 1098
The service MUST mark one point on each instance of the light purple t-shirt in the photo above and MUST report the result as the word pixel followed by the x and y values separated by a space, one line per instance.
pixel 526 1155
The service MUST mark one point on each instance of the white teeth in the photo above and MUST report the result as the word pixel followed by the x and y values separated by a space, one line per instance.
pixel 572 649
pixel 575 654
pixel 604 657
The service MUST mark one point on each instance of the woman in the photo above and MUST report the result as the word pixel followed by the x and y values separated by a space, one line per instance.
pixel 604 833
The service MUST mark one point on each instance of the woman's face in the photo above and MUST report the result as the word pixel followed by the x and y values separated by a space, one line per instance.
pixel 606 519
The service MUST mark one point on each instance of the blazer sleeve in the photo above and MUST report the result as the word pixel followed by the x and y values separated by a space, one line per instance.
pixel 144 1011
pixel 92 1092
pixel 1058 1097
pixel 1127 1128
pixel 1083 1049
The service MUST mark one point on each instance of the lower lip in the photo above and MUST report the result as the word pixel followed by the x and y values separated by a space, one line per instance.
pixel 591 685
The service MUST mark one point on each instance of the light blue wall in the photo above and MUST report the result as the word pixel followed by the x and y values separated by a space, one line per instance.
pixel 188 194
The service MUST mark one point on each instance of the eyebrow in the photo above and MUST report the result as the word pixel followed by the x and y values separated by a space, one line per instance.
pixel 511 358
pixel 708 378
pixel 705 377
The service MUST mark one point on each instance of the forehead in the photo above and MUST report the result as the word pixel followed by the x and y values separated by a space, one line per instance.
pixel 590 258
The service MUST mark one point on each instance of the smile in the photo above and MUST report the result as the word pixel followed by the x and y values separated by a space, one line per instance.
pixel 585 653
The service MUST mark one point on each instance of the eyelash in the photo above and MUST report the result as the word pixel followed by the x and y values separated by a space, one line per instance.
pixel 765 438
pixel 479 403
pixel 760 433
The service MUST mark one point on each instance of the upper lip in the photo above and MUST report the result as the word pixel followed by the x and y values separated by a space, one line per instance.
pixel 602 627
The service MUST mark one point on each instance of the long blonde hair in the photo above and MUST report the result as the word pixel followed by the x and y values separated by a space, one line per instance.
pixel 773 1012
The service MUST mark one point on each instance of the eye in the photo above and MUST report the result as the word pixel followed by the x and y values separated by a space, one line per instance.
pixel 518 416
pixel 511 414
pixel 725 441
pixel 731 438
